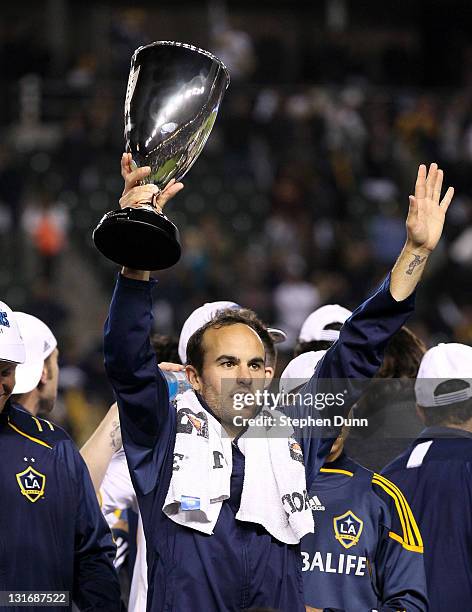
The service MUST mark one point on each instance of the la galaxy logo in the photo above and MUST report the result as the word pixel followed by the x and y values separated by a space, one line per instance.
pixel 348 528
pixel 31 483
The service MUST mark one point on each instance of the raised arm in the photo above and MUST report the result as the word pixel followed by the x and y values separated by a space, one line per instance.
pixel 348 365
pixel 364 336
pixel 130 361
pixel 131 365
pixel 358 353
pixel 424 227
pixel 99 449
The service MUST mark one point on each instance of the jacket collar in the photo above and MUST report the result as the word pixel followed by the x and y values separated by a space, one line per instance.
pixel 443 432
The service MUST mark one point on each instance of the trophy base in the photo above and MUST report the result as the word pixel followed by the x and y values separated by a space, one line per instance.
pixel 138 238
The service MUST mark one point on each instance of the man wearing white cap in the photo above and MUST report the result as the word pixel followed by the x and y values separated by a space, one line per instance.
pixel 223 515
pixel 12 352
pixel 52 534
pixel 37 378
pixel 105 458
pixel 321 328
pixel 435 473
pixel 107 462
pixel 204 314
pixel 197 319
pixel 360 556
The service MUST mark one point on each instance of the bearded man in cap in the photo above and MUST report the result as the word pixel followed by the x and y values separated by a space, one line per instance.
pixel 52 534
pixel 435 474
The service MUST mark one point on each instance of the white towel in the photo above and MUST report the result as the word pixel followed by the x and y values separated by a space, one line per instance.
pixel 274 488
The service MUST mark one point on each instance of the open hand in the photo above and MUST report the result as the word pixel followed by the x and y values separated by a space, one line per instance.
pixel 426 214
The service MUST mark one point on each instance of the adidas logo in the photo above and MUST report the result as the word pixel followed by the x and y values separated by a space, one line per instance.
pixel 315 504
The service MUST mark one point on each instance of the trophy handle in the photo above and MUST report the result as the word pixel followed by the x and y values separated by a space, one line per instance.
pixel 138 238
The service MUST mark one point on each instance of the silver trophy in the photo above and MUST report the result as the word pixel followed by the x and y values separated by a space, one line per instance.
pixel 172 100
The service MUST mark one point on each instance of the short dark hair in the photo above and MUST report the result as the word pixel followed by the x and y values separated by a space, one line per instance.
pixel 166 348
pixel 449 414
pixel 316 345
pixel 403 355
pixel 267 341
pixel 402 358
pixel 224 318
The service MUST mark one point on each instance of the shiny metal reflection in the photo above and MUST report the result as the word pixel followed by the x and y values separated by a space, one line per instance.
pixel 172 100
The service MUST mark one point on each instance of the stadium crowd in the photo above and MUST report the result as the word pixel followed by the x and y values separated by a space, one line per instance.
pixel 301 197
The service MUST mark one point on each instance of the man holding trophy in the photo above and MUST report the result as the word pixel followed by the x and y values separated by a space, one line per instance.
pixel 223 512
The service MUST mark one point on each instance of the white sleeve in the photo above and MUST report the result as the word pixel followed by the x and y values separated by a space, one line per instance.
pixel 116 492
pixel 139 583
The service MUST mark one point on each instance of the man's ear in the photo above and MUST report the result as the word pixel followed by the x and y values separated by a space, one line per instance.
pixel 269 375
pixel 44 375
pixel 420 413
pixel 193 377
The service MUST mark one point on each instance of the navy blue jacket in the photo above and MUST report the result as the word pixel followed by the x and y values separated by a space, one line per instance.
pixel 53 536
pixel 360 557
pixel 435 474
pixel 240 565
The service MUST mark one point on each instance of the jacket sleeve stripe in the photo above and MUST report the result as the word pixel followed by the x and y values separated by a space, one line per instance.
pixel 401 515
pixel 412 520
pixel 412 534
pixel 402 503
pixel 396 537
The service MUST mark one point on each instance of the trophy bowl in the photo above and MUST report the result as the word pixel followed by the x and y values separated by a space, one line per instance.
pixel 172 100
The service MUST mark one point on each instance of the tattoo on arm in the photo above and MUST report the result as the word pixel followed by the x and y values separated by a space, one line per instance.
pixel 115 436
pixel 417 261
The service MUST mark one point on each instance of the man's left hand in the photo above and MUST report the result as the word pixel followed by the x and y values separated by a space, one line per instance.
pixel 427 212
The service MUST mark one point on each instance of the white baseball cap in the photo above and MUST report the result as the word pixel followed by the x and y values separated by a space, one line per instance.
pixel 39 344
pixel 198 318
pixel 277 335
pixel 299 370
pixel 314 326
pixel 204 314
pixel 12 347
pixel 442 363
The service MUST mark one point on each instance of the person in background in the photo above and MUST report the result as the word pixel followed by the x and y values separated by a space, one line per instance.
pixel 366 552
pixel 388 405
pixel 320 329
pixel 37 379
pixel 53 535
pixel 434 472
pixel 166 348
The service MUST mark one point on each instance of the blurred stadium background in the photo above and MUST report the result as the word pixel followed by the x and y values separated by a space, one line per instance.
pixel 300 195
